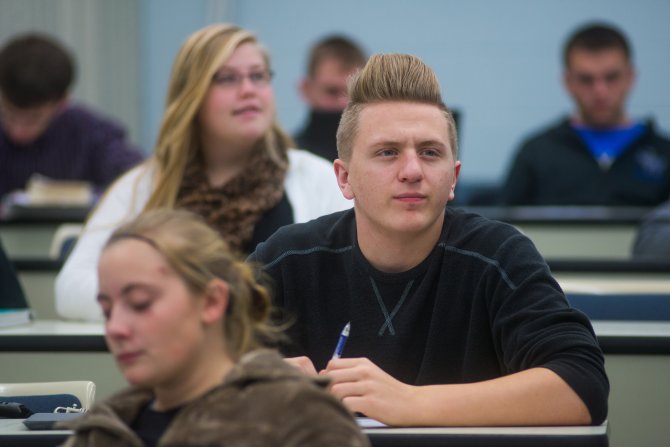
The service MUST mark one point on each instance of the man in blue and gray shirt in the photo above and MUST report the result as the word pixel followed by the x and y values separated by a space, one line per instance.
pixel 599 155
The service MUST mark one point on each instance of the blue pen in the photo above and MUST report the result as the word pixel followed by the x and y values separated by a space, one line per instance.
pixel 344 335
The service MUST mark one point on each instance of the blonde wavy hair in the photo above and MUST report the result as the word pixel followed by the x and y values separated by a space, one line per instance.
pixel 178 143
pixel 387 78
pixel 198 254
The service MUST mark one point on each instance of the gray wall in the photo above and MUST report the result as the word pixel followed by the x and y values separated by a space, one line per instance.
pixel 498 61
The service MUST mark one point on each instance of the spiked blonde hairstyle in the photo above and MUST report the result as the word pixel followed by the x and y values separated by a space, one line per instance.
pixel 385 78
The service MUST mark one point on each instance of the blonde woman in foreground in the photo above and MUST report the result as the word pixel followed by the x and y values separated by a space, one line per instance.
pixel 220 153
pixel 186 323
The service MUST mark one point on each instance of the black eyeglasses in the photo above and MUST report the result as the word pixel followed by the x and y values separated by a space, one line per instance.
pixel 232 79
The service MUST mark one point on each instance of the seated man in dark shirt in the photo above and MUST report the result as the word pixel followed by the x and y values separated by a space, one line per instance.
pixel 41 133
pixel 599 155
pixel 331 61
pixel 454 319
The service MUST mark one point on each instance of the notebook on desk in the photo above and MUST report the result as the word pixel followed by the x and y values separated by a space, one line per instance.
pixel 365 422
pixel 14 317
pixel 46 421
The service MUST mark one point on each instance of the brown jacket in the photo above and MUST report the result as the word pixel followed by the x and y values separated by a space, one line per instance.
pixel 262 402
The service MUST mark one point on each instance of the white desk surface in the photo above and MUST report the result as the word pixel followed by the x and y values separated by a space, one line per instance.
pixel 70 328
pixel 613 286
pixel 55 327
pixel 660 329
pixel 501 431
pixel 15 427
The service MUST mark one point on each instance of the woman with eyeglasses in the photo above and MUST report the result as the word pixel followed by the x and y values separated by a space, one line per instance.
pixel 189 328
pixel 220 153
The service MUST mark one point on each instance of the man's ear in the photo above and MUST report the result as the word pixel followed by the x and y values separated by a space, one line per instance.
pixel 632 76
pixel 215 301
pixel 342 174
pixel 457 172
pixel 567 83
pixel 305 90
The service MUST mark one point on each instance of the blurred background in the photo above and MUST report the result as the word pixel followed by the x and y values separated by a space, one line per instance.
pixel 499 62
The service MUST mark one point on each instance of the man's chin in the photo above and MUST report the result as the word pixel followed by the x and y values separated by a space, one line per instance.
pixel 604 120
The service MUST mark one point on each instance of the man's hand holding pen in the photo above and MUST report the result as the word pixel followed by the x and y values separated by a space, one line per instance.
pixel 363 386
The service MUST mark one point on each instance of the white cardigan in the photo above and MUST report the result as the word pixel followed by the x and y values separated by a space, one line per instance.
pixel 310 186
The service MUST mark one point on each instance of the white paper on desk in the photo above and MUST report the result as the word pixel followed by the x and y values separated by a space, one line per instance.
pixel 15 317
pixel 369 423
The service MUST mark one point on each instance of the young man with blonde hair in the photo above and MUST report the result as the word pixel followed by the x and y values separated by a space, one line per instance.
pixel 454 319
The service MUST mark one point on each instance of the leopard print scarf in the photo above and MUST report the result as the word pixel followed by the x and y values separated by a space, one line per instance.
pixel 235 208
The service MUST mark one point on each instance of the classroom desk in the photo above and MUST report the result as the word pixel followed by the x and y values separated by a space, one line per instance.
pixel 38 278
pixel 636 352
pixel 568 232
pixel 599 215
pixel 52 336
pixel 489 436
pixel 630 311
pixel 14 433
pixel 615 284
pixel 633 337
pixel 559 232
pixel 636 359
pixel 27 232
pixel 20 214
pixel 27 239
pixel 54 350
pixel 595 267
